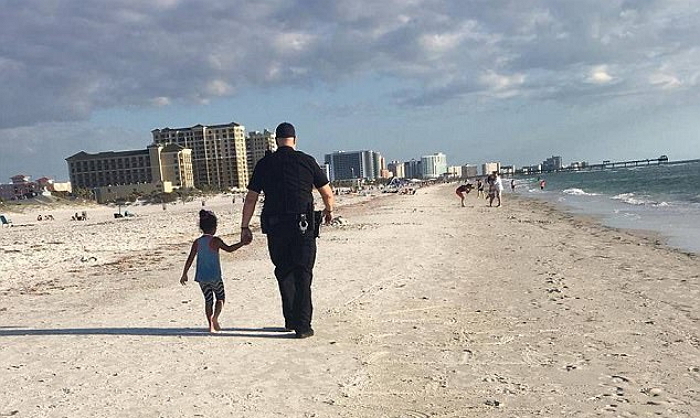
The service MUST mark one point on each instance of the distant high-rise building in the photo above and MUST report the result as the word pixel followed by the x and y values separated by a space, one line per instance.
pixel 455 172
pixel 346 165
pixel 488 168
pixel 434 165
pixel 155 164
pixel 397 169
pixel 259 144
pixel 552 163
pixel 88 171
pixel 469 171
pixel 219 157
pixel 413 169
pixel 527 169
pixel 507 169
pixel 172 163
pixel 326 168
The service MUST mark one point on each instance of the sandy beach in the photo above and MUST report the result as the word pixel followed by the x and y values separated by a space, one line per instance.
pixel 422 309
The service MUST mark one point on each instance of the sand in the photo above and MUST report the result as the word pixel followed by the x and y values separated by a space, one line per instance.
pixel 422 309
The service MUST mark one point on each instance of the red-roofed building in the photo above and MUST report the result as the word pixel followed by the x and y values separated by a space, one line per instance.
pixel 20 188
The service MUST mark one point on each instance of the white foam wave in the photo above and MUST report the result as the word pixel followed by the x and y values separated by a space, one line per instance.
pixel 577 192
pixel 631 199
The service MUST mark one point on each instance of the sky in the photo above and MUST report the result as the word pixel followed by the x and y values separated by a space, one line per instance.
pixel 514 81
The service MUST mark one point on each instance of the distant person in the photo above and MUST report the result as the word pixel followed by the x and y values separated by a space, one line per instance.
pixel 542 184
pixel 495 188
pixel 491 193
pixel 463 190
pixel 208 271
pixel 512 185
pixel 479 188
pixel 499 188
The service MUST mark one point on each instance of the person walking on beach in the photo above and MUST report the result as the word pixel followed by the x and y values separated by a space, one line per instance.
pixel 499 187
pixel 287 177
pixel 463 190
pixel 512 185
pixel 479 188
pixel 208 272
pixel 495 188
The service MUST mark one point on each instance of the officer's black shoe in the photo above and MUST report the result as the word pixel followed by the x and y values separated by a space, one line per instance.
pixel 305 334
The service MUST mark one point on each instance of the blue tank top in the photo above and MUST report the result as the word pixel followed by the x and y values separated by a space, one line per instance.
pixel 208 264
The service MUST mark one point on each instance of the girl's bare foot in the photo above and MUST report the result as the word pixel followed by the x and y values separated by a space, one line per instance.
pixel 213 326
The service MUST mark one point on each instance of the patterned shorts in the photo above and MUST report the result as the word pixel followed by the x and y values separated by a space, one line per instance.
pixel 211 289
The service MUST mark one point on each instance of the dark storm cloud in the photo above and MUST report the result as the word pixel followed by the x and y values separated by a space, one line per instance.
pixel 61 60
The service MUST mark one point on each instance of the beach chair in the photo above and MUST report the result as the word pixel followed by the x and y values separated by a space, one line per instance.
pixel 5 221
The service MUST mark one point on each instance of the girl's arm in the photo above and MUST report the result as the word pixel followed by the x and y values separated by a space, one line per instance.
pixel 188 263
pixel 220 244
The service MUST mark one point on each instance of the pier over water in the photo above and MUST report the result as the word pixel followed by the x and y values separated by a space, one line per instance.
pixel 629 163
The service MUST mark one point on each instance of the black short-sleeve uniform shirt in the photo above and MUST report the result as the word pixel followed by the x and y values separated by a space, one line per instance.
pixel 287 177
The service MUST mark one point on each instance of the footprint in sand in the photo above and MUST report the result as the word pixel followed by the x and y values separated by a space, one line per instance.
pixel 413 414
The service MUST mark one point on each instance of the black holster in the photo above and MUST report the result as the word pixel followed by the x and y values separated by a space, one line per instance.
pixel 292 223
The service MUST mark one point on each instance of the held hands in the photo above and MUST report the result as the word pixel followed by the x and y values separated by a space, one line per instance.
pixel 246 236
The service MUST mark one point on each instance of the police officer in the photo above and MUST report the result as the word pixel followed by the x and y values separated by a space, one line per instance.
pixel 287 177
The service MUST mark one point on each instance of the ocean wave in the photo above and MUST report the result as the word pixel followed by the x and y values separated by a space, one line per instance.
pixel 631 199
pixel 578 192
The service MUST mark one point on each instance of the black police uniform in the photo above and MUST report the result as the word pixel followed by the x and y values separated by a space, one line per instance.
pixel 287 177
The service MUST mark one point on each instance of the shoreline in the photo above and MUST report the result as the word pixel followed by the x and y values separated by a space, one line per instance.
pixel 651 228
pixel 422 308
pixel 651 237
pixel 625 198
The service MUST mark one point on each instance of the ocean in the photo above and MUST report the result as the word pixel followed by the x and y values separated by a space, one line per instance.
pixel 663 199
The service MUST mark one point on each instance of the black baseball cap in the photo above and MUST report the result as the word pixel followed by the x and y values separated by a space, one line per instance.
pixel 285 130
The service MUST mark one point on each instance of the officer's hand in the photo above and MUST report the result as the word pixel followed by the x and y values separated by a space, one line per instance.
pixel 327 216
pixel 246 236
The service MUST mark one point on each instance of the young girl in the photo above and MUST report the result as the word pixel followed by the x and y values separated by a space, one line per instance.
pixel 208 272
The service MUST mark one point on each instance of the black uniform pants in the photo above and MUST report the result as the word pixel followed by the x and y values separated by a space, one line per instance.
pixel 294 256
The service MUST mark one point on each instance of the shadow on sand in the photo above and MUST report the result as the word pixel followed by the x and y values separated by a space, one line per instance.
pixel 264 332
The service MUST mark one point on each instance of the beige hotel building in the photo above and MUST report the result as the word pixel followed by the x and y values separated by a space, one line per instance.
pixel 219 156
pixel 259 144
pixel 156 164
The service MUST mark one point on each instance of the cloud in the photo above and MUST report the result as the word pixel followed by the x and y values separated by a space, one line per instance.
pixel 664 80
pixel 599 75
pixel 160 101
pixel 40 150
pixel 499 82
pixel 62 61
